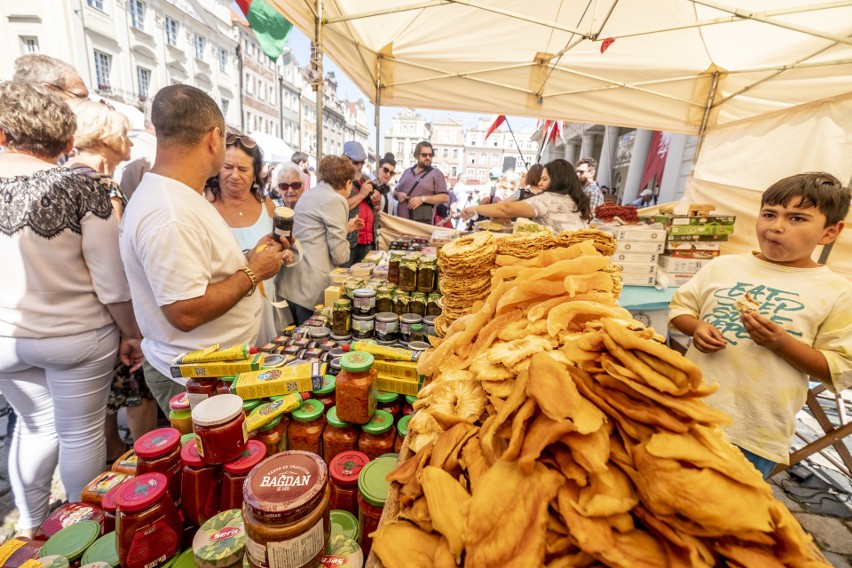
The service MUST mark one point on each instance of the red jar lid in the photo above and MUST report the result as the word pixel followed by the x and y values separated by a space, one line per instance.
pixel 285 487
pixel 180 401
pixel 157 443
pixel 140 492
pixel 108 500
pixel 189 455
pixel 251 456
pixel 346 466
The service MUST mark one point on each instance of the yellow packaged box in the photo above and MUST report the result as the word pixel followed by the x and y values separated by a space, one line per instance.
pixel 399 369
pixel 385 352
pixel 390 383
pixel 218 368
pixel 302 377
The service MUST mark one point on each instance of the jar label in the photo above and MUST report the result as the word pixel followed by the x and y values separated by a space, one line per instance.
pixel 386 327
pixel 365 302
pixel 152 546
pixel 362 325
pixel 195 398
pixel 297 551
pixel 286 483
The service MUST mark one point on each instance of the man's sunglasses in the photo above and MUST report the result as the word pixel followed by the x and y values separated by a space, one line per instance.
pixel 286 186
pixel 387 171
pixel 422 155
pixel 247 142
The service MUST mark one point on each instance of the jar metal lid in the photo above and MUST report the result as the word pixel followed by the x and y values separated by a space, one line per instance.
pixel 384 397
pixel 185 560
pixel 410 318
pixel 419 346
pixel 311 409
pixel 387 316
pixel 157 443
pixel 333 420
pixel 357 362
pixel 342 304
pixel 364 292
pixel 221 540
pixel 410 399
pixel 108 500
pixel 217 410
pixel 103 550
pixel 328 385
pixel 319 332
pixel 417 327
pixel 180 401
pixel 429 320
pixel 251 404
pixel 402 425
pixel 341 338
pixel 363 317
pixel 381 422
pixel 72 541
pixel 140 492
pixel 255 451
pixel 346 466
pixel 372 483
pixel 57 561
pixel 185 439
pixel 190 456
pixel 303 474
pixel 345 524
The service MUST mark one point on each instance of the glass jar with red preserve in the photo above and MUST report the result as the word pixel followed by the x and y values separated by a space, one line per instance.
pixel 109 507
pixel 287 508
pixel 401 431
pixel 356 388
pixel 338 436
pixel 273 435
pixel 236 472
pixel 377 435
pixel 220 428
pixel 67 515
pixel 305 432
pixel 158 451
pixel 148 527
pixel 389 402
pixel 344 470
pixel 408 408
pixel 325 394
pixel 201 486
pixel 224 385
pixel 372 493
pixel 201 388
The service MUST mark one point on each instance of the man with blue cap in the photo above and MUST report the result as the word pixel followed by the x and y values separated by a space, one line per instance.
pixel 364 203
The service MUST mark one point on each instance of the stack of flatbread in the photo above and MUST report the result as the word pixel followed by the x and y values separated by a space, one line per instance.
pixel 465 265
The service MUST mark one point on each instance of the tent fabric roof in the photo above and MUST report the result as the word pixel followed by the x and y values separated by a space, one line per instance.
pixel 545 58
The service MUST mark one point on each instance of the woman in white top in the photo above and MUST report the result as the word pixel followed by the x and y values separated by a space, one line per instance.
pixel 65 309
pixel 562 205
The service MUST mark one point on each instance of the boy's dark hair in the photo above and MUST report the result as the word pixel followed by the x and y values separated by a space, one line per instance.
pixel 814 189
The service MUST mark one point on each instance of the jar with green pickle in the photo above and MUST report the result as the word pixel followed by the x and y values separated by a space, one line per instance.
pixel 393 267
pixel 350 286
pixel 433 304
pixel 408 273
pixel 417 305
pixel 384 300
pixel 341 317
pixel 427 274
pixel 400 302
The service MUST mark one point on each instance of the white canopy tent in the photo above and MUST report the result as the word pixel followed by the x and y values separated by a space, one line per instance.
pixel 275 149
pixel 692 66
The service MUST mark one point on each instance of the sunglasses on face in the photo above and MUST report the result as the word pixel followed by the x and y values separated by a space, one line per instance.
pixel 357 163
pixel 422 155
pixel 245 141
pixel 387 171
pixel 285 186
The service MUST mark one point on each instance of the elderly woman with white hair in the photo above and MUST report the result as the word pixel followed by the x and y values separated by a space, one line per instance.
pixel 288 184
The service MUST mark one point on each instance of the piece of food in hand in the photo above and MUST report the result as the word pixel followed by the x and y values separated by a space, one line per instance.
pixel 747 305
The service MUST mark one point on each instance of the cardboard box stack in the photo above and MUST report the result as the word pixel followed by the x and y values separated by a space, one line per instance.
pixel 691 242
pixel 636 251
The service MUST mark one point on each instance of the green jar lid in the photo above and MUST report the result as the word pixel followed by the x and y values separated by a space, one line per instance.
pixel 384 397
pixel 345 524
pixel 186 559
pixel 180 414
pixel 372 483
pixel 356 362
pixel 249 405
pixel 221 540
pixel 272 424
pixel 54 561
pixel 402 425
pixel 328 384
pixel 102 551
pixel 311 409
pixel 333 420
pixel 72 541
pixel 410 399
pixel 186 438
pixel 170 562
pixel 381 422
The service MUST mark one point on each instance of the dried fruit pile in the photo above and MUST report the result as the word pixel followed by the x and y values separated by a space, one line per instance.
pixel 559 432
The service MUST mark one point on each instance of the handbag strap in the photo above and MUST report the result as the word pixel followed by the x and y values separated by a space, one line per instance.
pixel 418 180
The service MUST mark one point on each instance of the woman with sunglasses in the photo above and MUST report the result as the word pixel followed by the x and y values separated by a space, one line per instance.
pixel 289 182
pixel 238 197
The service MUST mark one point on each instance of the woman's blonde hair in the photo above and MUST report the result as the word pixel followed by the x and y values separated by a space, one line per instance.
pixel 98 123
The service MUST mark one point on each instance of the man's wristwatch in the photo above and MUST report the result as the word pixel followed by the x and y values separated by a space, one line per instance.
pixel 250 273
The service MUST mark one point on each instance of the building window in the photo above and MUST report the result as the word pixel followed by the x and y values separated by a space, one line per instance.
pixel 171 28
pixel 469 173
pixel 482 158
pixel 29 44
pixel 103 66
pixel 143 81
pixel 261 91
pixel 97 4
pixel 446 152
pixel 249 89
pixel 400 148
pixel 481 173
pixel 455 153
pixel 137 14
pixel 495 159
pixel 225 104
pixel 223 59
pixel 200 42
pixel 453 171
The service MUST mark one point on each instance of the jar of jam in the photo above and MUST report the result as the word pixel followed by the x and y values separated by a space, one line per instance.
pixel 72 541
pixel 372 494
pixel 236 472
pixel 408 273
pixel 319 333
pixel 147 522
pixel 251 404
pixel 108 505
pixel 180 414
pixel 377 435
pixel 401 431
pixel 305 432
pixel 126 463
pixel 273 435
pixel 433 305
pixel 405 324
pixel 429 325
pixel 409 405
pixel 340 340
pixel 418 334
pixel 400 302
pixel 338 436
pixel 67 515
pixel 384 300
pixel 364 302
pixel 325 394
pixel 390 402
pixel 417 305
pixel 201 388
pixel 341 323
pixel 201 486
pixel 286 508
pixel 387 326
pixel 393 267
pixel 344 470
pixel 224 385
pixel 363 326
pixel 334 366
pixel 94 492
pixel 343 522
pixel 103 550
pixel 356 388
pixel 219 425
pixel 159 451
pixel 427 274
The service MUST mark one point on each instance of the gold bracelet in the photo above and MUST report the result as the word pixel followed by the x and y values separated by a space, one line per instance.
pixel 250 273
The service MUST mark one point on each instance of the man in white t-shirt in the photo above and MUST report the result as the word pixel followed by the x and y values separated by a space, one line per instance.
pixel 190 283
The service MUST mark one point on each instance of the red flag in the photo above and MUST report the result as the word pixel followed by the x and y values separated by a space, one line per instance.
pixel 500 120
pixel 656 161
pixel 554 134
pixel 540 130
pixel 606 43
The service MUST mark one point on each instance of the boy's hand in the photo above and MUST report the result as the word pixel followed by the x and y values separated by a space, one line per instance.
pixel 708 339
pixel 763 331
